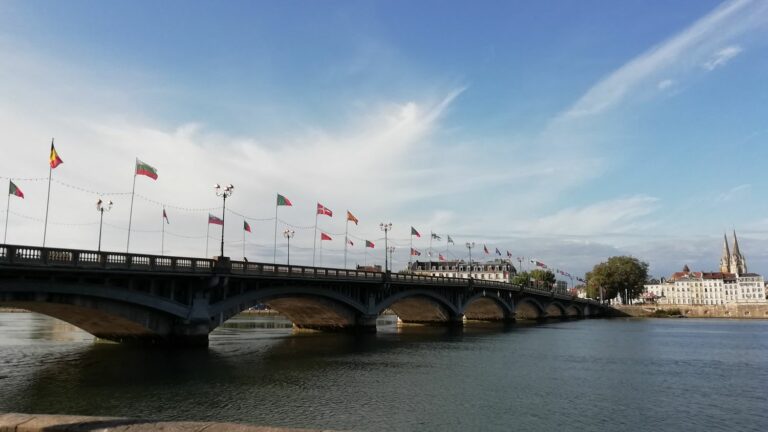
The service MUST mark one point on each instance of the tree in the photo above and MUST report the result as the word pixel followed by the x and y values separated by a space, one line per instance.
pixel 524 278
pixel 619 274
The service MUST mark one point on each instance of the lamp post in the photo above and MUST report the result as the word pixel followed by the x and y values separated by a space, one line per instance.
pixel 470 245
pixel 391 251
pixel 224 192
pixel 385 227
pixel 101 207
pixel 288 234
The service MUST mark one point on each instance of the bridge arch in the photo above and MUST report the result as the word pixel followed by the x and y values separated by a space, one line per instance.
pixel 420 306
pixel 305 307
pixel 555 310
pixel 573 311
pixel 482 307
pixel 528 308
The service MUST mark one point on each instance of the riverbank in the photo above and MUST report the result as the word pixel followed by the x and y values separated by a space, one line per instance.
pixel 66 423
pixel 12 310
pixel 741 311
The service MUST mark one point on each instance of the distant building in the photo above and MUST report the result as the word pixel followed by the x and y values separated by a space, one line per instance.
pixel 369 268
pixel 498 270
pixel 733 284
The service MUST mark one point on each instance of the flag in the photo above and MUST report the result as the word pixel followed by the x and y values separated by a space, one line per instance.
pixel 55 160
pixel 14 190
pixel 214 220
pixel 323 210
pixel 436 237
pixel 324 236
pixel 485 249
pixel 538 263
pixel 246 227
pixel 283 201
pixel 498 252
pixel 165 217
pixel 509 254
pixel 145 170
pixel 351 218
pixel 440 257
pixel 414 252
pixel 450 240
pixel 350 242
pixel 369 244
pixel 415 233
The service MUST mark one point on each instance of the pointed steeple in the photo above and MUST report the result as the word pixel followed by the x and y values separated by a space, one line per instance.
pixel 725 260
pixel 736 250
pixel 738 262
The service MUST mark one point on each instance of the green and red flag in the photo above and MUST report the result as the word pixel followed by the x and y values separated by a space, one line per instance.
pixel 246 227
pixel 214 220
pixel 14 190
pixel 146 170
pixel 54 159
pixel 283 201
pixel 415 233
pixel 369 244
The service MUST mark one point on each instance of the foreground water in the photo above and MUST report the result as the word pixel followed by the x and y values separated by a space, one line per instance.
pixel 595 375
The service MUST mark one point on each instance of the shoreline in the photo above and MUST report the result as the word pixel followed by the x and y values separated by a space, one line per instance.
pixel 735 311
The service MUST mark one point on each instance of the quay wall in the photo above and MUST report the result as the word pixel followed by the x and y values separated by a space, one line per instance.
pixel 15 422
pixel 741 311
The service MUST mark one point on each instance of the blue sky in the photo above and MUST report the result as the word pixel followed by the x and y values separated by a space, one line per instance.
pixel 564 131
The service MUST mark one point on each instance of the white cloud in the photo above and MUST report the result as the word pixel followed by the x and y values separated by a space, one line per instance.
pixel 689 47
pixel 721 57
pixel 665 84
pixel 736 192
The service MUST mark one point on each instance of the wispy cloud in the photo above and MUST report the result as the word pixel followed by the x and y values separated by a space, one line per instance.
pixel 736 192
pixel 689 47
pixel 721 57
pixel 665 84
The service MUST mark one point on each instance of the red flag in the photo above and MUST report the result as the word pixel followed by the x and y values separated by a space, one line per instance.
pixel 441 257
pixel 324 236
pixel 214 220
pixel 323 210
pixel 246 226
pixel 165 217
pixel 369 244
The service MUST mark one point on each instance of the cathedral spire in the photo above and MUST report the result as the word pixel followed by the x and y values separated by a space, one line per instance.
pixel 725 260
pixel 738 262
pixel 736 250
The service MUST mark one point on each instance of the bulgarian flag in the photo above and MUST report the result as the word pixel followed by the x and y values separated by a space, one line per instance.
pixel 54 159
pixel 415 252
pixel 323 210
pixel 415 233
pixel 283 201
pixel 351 217
pixel 324 236
pixel 214 220
pixel 14 190
pixel 165 217
pixel 369 244
pixel 146 170
pixel 246 227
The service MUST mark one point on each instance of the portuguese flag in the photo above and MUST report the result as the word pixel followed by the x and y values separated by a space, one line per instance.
pixel 246 227
pixel 415 233
pixel 283 201
pixel 369 244
pixel 145 170
pixel 14 190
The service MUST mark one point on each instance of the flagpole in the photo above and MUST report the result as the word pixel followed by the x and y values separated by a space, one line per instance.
pixel 430 249
pixel 162 237
pixel 207 234
pixel 410 254
pixel 243 240
pixel 346 241
pixel 48 198
pixel 321 252
pixel 314 242
pixel 130 214
pixel 7 212
pixel 274 253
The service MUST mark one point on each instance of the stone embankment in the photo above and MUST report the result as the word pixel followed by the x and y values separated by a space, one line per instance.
pixel 742 311
pixel 14 422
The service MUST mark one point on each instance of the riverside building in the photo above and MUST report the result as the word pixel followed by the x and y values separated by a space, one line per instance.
pixel 733 284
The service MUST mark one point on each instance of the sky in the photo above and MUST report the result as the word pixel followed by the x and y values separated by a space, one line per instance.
pixel 565 132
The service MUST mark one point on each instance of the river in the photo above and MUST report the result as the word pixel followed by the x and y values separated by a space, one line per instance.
pixel 589 375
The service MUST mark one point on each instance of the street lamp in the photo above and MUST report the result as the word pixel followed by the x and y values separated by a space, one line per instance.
pixel 385 227
pixel 101 207
pixel 470 245
pixel 224 193
pixel 288 234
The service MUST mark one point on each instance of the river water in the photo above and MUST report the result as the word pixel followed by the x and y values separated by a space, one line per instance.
pixel 589 375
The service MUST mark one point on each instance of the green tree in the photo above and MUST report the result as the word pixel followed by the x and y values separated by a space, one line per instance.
pixel 619 274
pixel 524 278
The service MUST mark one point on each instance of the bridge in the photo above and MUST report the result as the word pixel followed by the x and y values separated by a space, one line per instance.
pixel 179 300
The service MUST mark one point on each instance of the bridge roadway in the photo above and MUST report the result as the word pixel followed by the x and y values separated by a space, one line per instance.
pixel 180 300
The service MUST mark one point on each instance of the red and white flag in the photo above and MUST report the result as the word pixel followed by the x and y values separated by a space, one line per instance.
pixel 323 210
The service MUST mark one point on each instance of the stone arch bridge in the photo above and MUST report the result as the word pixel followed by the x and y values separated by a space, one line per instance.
pixel 176 300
